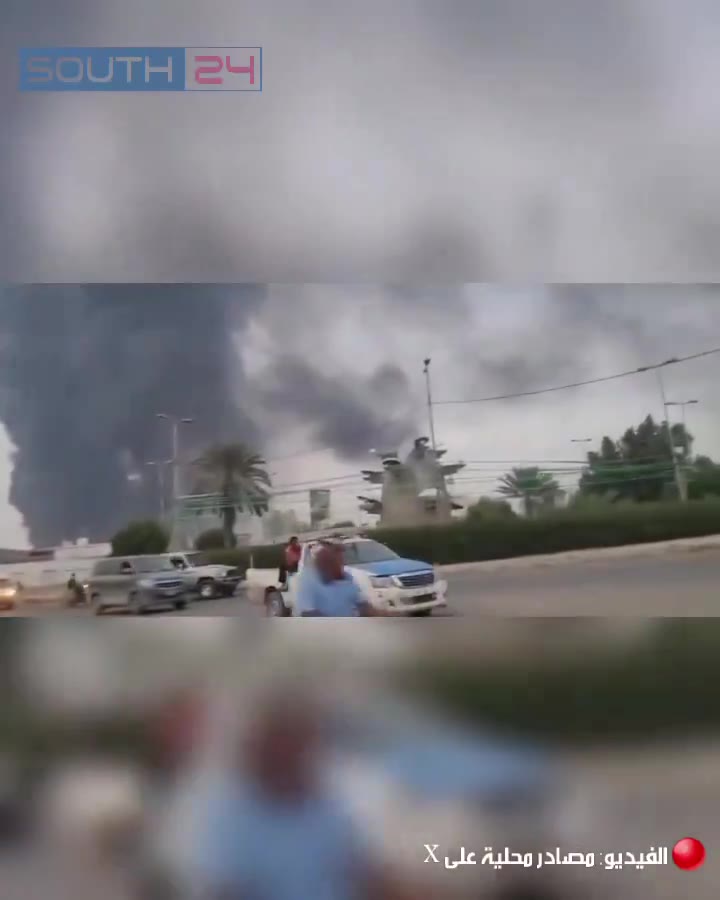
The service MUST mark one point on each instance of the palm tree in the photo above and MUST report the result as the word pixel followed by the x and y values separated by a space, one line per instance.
pixel 240 479
pixel 533 487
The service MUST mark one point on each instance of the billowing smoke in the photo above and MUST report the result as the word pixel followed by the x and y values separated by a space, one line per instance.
pixel 84 370
pixel 351 416
pixel 546 156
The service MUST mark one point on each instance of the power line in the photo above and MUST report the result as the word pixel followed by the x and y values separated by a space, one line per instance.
pixel 577 384
pixel 299 454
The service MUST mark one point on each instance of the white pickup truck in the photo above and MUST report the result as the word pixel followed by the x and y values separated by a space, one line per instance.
pixel 209 581
pixel 404 587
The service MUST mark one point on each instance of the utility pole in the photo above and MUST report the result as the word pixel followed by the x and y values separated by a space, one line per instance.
pixel 431 417
pixel 447 502
pixel 679 474
pixel 175 424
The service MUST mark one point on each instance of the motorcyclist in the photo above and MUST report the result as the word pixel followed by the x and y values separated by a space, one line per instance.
pixel 76 590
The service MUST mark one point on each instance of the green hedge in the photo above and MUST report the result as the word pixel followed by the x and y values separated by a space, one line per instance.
pixel 665 689
pixel 553 532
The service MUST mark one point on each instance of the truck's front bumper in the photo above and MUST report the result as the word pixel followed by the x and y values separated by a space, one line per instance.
pixel 406 601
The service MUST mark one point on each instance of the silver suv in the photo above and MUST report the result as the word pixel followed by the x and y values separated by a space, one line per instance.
pixel 136 584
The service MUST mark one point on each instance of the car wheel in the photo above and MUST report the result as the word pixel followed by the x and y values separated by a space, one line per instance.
pixel 207 589
pixel 180 604
pixel 135 607
pixel 422 613
pixel 275 605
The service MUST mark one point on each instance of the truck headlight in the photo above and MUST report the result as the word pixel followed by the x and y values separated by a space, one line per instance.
pixel 146 584
pixel 8 592
pixel 381 581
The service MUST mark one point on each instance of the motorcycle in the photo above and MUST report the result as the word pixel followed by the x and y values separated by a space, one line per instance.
pixel 77 593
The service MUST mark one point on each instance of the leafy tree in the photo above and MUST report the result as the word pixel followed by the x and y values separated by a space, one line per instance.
pixel 488 508
pixel 212 539
pixel 536 489
pixel 639 466
pixel 139 538
pixel 703 479
pixel 240 478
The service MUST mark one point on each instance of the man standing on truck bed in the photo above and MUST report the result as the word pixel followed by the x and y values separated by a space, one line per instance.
pixel 291 560
pixel 329 591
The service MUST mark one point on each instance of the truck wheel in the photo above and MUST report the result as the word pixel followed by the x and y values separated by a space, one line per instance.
pixel 275 605
pixel 135 606
pixel 207 589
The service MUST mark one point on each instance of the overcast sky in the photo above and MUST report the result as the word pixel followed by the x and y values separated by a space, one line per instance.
pixel 415 142
pixel 318 375
pixel 493 140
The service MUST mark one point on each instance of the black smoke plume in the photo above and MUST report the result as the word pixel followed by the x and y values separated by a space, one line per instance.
pixel 84 370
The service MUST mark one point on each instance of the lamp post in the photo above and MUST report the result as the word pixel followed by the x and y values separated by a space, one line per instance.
pixel 175 424
pixel 159 466
pixel 428 389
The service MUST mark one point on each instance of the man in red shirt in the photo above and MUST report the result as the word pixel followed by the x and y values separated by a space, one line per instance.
pixel 291 559
pixel 293 552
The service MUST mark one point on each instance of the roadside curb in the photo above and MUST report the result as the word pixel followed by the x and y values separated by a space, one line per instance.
pixel 54 596
pixel 628 551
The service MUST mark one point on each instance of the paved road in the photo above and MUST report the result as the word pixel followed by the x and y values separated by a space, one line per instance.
pixel 686 584
pixel 675 585
pixel 678 585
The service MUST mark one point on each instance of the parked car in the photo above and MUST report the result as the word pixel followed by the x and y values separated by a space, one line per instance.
pixel 137 584
pixel 207 580
pixel 405 587
pixel 9 591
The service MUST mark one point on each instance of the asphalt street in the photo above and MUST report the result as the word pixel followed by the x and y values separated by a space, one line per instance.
pixel 676 585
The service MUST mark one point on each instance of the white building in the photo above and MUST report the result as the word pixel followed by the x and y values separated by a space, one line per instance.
pixel 54 566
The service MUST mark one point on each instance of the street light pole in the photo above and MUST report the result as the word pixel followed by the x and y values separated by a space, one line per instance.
pixel 175 424
pixel 431 417
pixel 159 466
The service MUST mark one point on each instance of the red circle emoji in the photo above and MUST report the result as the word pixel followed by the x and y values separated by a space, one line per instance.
pixel 688 854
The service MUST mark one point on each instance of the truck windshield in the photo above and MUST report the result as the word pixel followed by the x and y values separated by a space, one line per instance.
pixel 367 552
pixel 153 564
pixel 196 559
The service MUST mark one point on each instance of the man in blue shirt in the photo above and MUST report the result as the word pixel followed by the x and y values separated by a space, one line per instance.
pixel 269 830
pixel 326 589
